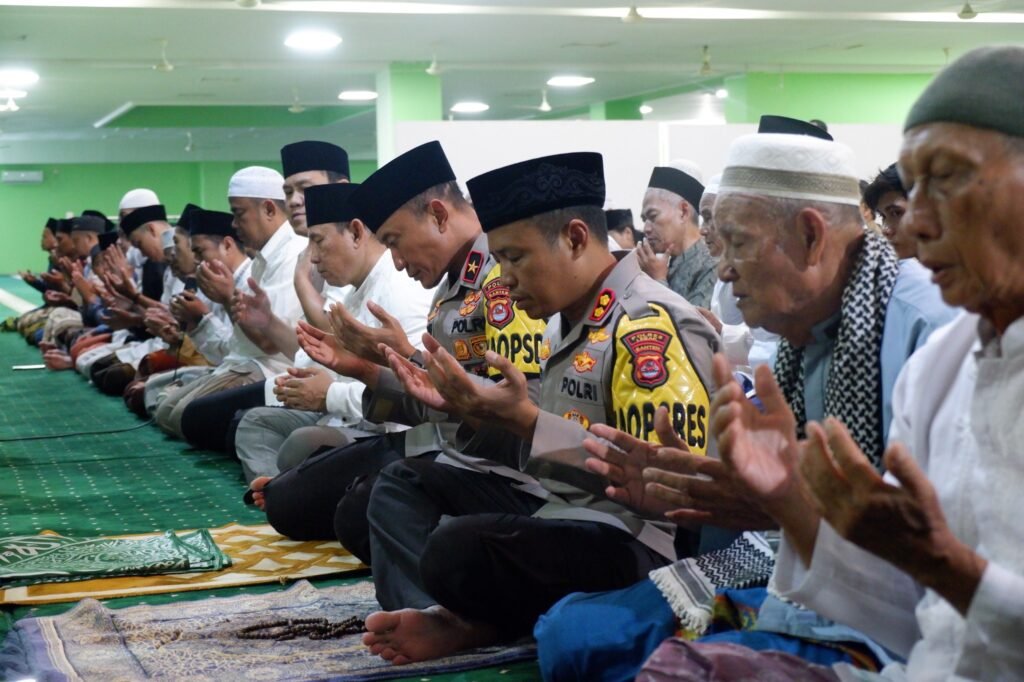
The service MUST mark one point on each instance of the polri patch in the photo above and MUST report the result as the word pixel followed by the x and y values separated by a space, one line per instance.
pixel 584 362
pixel 499 304
pixel 648 346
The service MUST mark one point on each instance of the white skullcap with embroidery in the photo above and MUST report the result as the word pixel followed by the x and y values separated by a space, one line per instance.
pixel 712 186
pixel 791 166
pixel 137 198
pixel 257 182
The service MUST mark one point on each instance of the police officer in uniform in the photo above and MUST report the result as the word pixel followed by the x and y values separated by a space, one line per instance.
pixel 414 207
pixel 618 346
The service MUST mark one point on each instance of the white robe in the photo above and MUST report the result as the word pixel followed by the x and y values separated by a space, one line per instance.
pixel 957 408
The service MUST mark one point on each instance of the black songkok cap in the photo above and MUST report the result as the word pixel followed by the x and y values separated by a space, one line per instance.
pixel 108 239
pixel 186 216
pixel 790 126
pixel 108 224
pixel 618 219
pixel 677 182
pixel 216 223
pixel 52 224
pixel 88 223
pixel 300 157
pixel 330 203
pixel 141 216
pixel 537 186
pixel 401 179
pixel 64 225
pixel 976 90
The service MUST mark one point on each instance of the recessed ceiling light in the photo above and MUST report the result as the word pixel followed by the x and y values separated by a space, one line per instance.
pixel 721 93
pixel 357 95
pixel 646 109
pixel 7 93
pixel 569 81
pixel 18 78
pixel 313 40
pixel 469 107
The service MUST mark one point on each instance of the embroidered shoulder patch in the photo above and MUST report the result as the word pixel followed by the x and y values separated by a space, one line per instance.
pixel 499 305
pixel 470 303
pixel 471 271
pixel 605 301
pixel 651 370
pixel 584 362
pixel 575 415
pixel 647 348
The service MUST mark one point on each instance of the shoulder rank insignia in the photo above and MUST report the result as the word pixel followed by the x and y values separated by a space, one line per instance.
pixel 499 305
pixel 575 415
pixel 648 346
pixel 479 345
pixel 545 349
pixel 470 303
pixel 471 271
pixel 605 299
pixel 584 362
pixel 598 336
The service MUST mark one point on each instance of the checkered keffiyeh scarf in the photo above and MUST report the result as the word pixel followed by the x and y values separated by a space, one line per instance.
pixel 853 391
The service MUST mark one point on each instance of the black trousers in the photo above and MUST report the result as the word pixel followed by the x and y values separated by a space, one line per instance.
pixel 325 497
pixel 209 422
pixel 468 541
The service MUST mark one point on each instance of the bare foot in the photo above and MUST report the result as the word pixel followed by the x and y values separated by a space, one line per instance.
pixel 57 359
pixel 257 486
pixel 412 635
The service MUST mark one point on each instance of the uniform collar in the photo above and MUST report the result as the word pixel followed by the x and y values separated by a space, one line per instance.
pixel 602 306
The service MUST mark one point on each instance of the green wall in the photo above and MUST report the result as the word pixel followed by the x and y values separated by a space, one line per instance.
pixel 72 188
pixel 831 97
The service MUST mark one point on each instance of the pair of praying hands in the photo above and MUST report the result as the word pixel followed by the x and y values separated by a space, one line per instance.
pixel 352 348
pixel 767 476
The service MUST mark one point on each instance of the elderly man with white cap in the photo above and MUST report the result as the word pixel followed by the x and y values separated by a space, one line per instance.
pixel 256 198
pixel 929 560
pixel 802 265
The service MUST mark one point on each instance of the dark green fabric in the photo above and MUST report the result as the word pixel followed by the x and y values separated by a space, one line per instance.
pixel 981 89
pixel 133 482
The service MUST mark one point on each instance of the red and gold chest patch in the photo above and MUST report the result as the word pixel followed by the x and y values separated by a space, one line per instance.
pixel 461 350
pixel 479 345
pixel 584 362
pixel 499 304
pixel 434 312
pixel 545 349
pixel 605 300
pixel 648 346
pixel 575 415
pixel 470 303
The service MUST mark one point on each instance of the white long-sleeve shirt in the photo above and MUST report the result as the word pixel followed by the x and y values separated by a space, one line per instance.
pixel 398 294
pixel 212 336
pixel 957 408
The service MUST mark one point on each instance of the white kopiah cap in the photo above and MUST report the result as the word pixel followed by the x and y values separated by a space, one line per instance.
pixel 137 198
pixel 791 166
pixel 712 186
pixel 257 182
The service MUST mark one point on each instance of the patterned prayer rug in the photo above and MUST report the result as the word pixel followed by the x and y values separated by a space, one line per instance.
pixel 258 554
pixel 198 641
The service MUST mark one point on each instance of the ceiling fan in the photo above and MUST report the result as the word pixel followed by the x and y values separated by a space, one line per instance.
pixel 543 107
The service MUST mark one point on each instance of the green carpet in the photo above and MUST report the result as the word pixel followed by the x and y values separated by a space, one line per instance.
pixel 135 481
